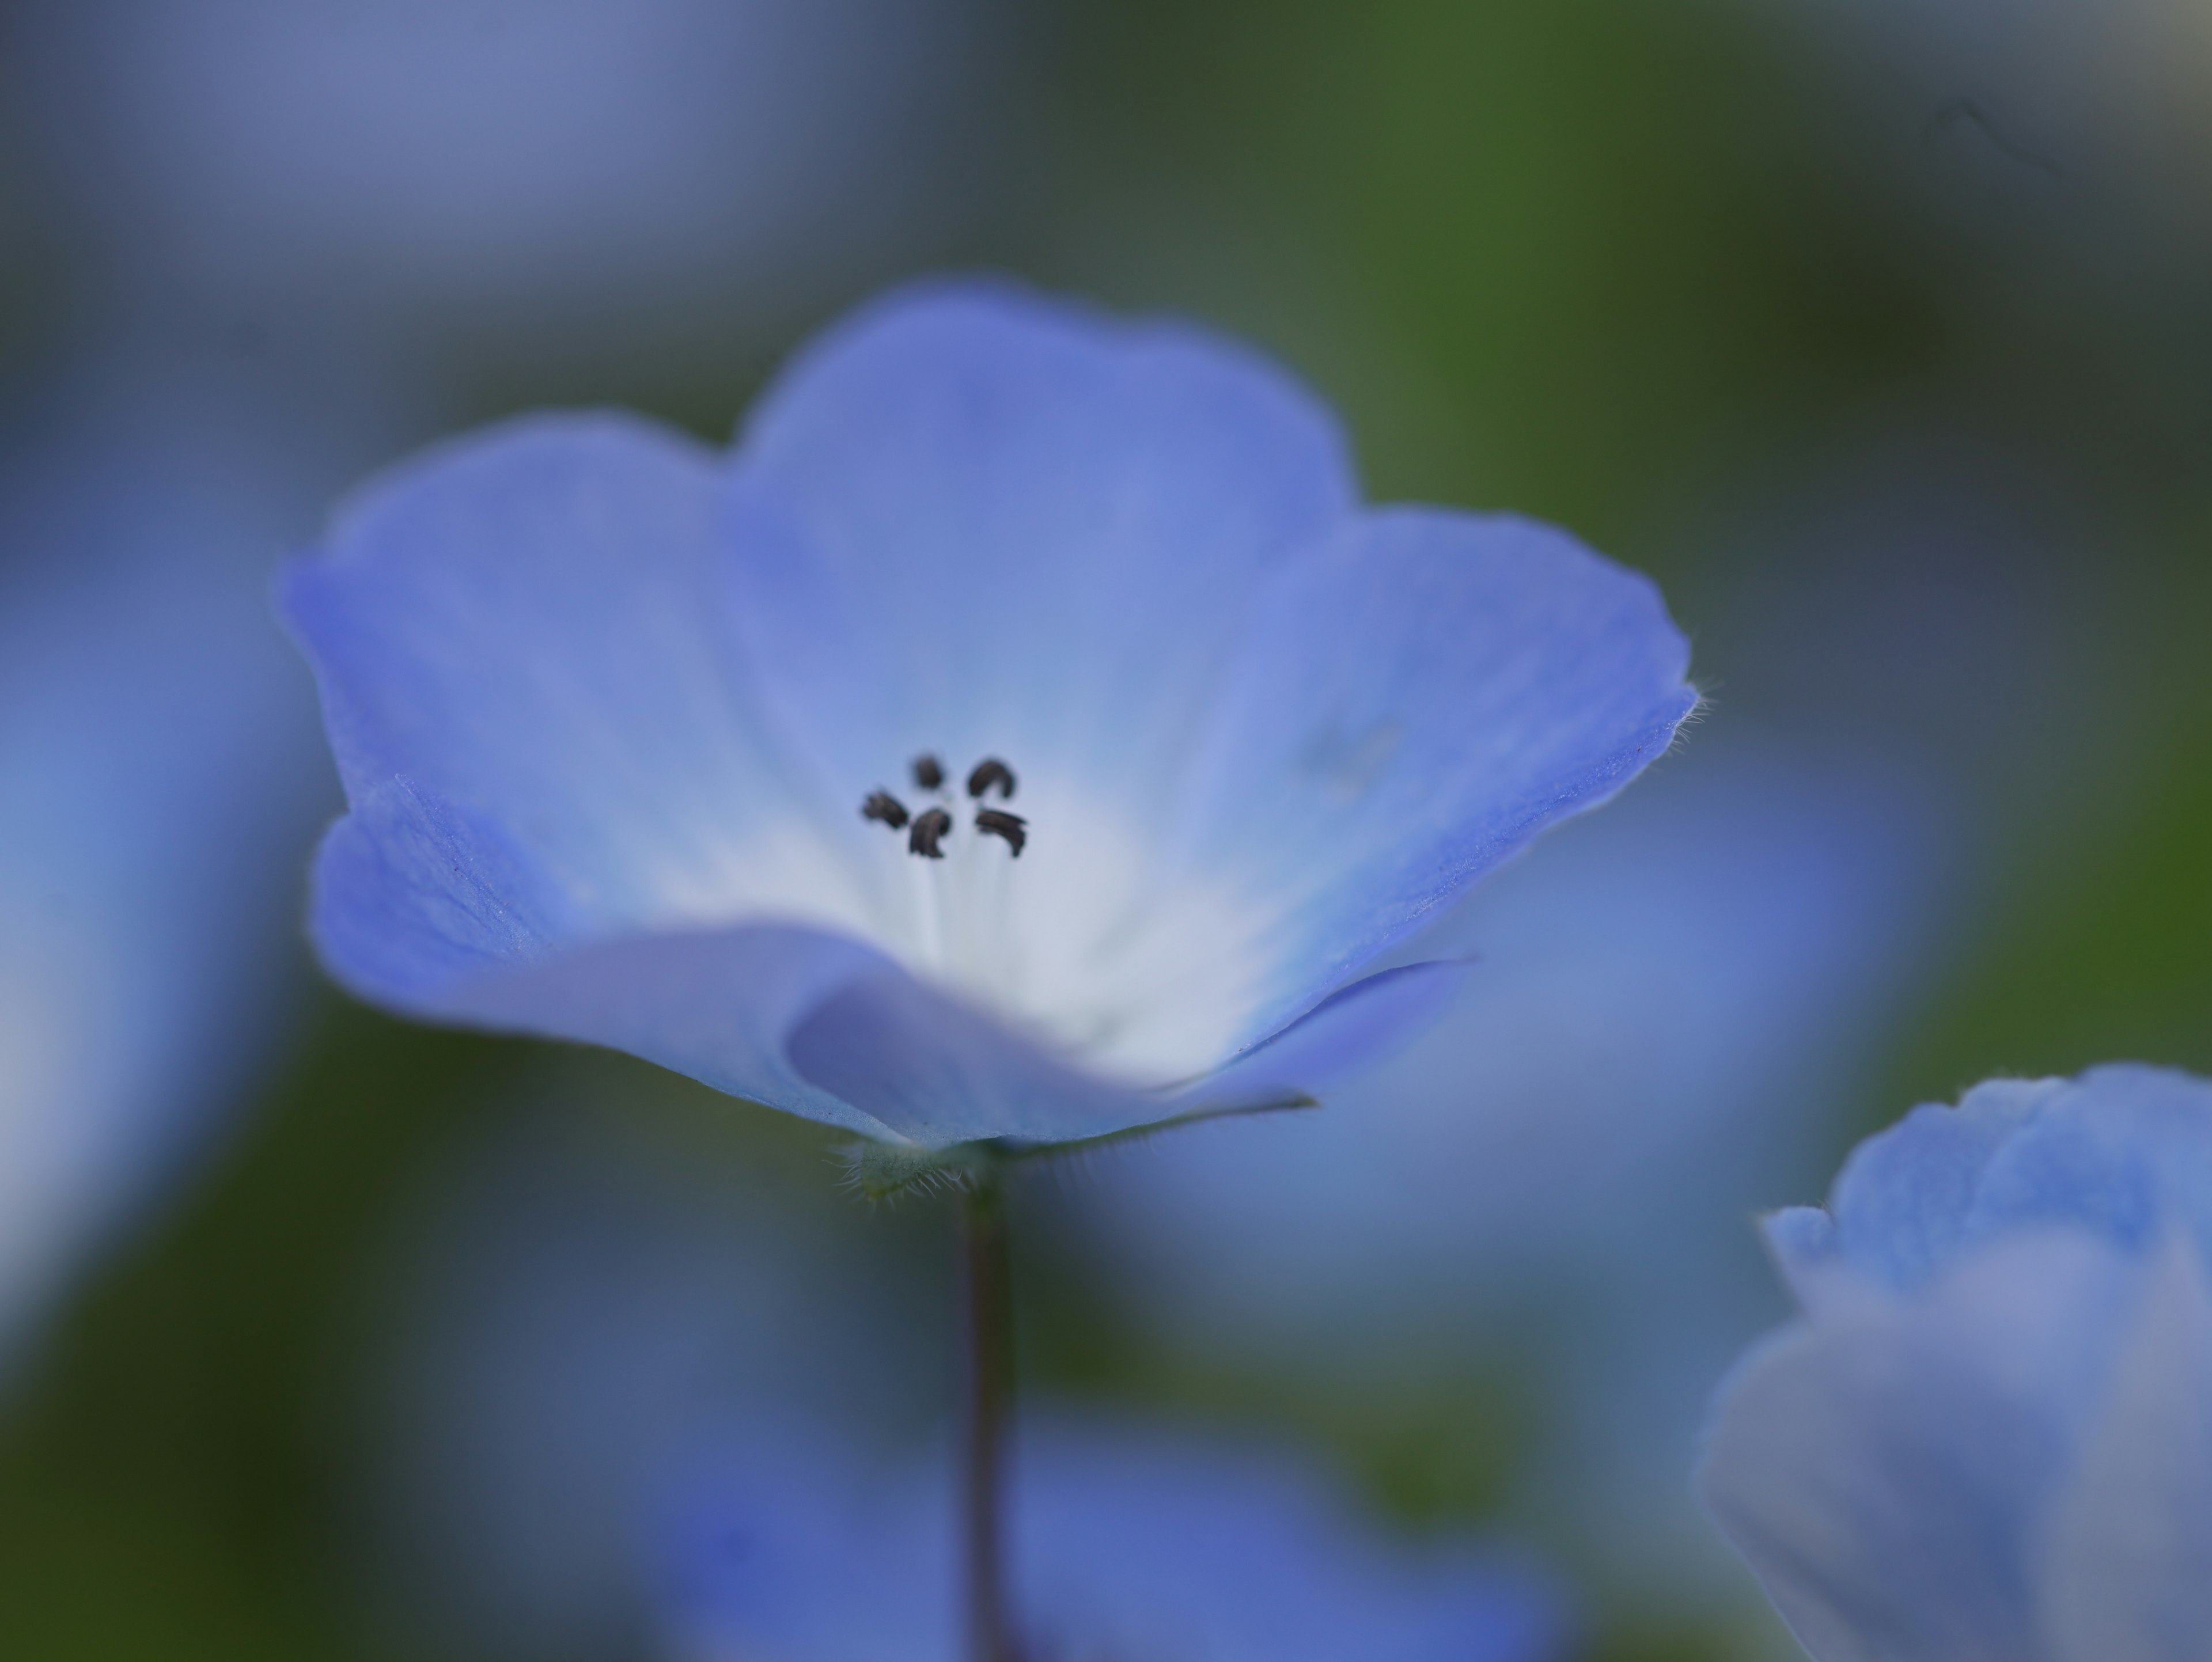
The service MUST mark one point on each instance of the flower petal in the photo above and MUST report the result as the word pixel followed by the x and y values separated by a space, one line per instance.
pixel 1899 1207
pixel 718 1005
pixel 2124 1554
pixel 976 521
pixel 525 624
pixel 1878 1468
pixel 2122 1150
pixel 1418 699
pixel 1352 1026
pixel 935 1071
pixel 413 894
pixel 428 909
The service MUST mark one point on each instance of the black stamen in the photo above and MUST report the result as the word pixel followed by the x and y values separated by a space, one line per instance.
pixel 929 829
pixel 989 772
pixel 928 772
pixel 883 805
pixel 1012 827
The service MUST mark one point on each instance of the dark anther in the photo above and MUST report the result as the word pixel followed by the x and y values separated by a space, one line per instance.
pixel 989 772
pixel 929 828
pixel 883 805
pixel 928 773
pixel 1012 827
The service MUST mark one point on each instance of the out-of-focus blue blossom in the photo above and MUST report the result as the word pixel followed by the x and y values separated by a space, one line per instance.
pixel 1990 1437
pixel 159 784
pixel 653 1401
pixel 522 164
pixel 607 705
pixel 583 1310
pixel 1667 1008
pixel 1125 1542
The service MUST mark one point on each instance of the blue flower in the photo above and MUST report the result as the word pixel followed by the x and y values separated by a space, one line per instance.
pixel 159 779
pixel 1990 1438
pixel 1128 1542
pixel 658 748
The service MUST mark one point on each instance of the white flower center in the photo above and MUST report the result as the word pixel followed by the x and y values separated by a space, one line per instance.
pixel 1055 919
pixel 1069 930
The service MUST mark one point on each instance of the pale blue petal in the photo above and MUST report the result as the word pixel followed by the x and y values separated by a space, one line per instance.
pixel 527 624
pixel 1370 1018
pixel 433 911
pixel 413 895
pixel 423 907
pixel 1415 702
pixel 1414 706
pixel 1900 1206
pixel 2123 1552
pixel 1879 1467
pixel 936 1071
pixel 974 521
pixel 1803 1241
pixel 2124 1151
pixel 720 1005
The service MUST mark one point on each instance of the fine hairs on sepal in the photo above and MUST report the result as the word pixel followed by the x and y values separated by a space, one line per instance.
pixel 889 1171
pixel 1696 716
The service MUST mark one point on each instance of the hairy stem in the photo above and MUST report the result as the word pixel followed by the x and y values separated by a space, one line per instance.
pixel 990 1402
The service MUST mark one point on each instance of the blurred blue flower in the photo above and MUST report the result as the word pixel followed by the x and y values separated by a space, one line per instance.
pixel 653 164
pixel 1990 1434
pixel 651 1396
pixel 583 1305
pixel 608 708
pixel 159 782
pixel 1126 1542
pixel 1559 1168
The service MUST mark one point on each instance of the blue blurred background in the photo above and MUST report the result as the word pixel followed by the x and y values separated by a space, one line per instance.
pixel 1876 332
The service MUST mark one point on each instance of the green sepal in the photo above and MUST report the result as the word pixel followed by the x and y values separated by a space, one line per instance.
pixel 882 1170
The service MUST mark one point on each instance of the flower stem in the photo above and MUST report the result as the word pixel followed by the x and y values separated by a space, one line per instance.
pixel 990 1402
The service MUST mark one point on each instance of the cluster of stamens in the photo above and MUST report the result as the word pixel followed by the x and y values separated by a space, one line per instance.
pixel 926 832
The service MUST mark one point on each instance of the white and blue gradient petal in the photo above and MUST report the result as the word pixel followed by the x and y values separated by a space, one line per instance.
pixel 975 521
pixel 605 703
pixel 1989 1437
pixel 1417 699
